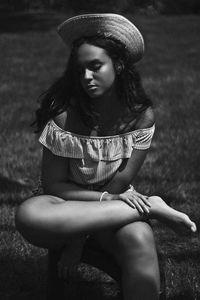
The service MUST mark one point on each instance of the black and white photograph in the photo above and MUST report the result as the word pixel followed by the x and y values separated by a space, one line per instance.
pixel 100 137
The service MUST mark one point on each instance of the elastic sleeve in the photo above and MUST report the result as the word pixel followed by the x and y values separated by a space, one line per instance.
pixel 60 143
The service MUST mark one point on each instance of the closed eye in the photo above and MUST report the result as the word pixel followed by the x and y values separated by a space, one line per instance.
pixel 95 67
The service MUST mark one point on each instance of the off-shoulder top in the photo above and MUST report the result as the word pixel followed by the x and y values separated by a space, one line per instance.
pixel 94 159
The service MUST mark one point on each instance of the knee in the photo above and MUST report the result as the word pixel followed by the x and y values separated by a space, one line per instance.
pixel 137 242
pixel 25 214
pixel 32 213
pixel 136 236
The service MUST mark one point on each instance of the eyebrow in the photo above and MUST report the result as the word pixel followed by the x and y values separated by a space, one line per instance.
pixel 96 60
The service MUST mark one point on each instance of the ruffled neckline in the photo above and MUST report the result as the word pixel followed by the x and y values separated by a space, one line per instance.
pixel 68 144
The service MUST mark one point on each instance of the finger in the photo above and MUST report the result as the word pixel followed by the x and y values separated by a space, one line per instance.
pixel 146 202
pixel 143 205
pixel 145 208
pixel 137 202
pixel 128 201
pixel 138 206
pixel 144 199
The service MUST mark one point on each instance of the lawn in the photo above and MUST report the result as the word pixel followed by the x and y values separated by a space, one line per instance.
pixel 32 57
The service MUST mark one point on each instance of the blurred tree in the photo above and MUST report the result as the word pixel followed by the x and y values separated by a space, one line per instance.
pixel 178 6
pixel 98 5
pixel 134 5
pixel 141 3
pixel 162 6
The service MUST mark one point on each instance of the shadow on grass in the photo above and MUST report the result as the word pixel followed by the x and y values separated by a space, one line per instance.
pixel 9 185
pixel 186 255
pixel 184 295
pixel 13 192
pixel 22 278
pixel 26 278
pixel 34 21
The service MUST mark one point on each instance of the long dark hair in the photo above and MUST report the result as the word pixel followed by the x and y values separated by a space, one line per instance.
pixel 57 98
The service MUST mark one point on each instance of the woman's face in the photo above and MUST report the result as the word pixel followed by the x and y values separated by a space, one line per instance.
pixel 97 74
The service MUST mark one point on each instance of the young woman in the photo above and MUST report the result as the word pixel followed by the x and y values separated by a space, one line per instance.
pixel 97 124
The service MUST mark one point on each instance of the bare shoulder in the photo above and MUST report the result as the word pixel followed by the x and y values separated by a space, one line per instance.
pixel 69 120
pixel 61 119
pixel 146 120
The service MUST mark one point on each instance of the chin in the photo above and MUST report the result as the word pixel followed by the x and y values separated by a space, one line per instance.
pixel 95 95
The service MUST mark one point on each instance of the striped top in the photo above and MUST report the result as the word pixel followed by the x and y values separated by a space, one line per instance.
pixel 93 159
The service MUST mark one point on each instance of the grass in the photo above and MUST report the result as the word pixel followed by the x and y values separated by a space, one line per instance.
pixel 32 56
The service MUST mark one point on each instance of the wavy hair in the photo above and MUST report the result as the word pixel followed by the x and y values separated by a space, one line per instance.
pixel 58 97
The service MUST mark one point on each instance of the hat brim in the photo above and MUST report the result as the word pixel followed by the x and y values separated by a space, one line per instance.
pixel 109 25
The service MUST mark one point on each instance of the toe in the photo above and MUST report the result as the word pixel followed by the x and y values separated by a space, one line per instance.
pixel 193 227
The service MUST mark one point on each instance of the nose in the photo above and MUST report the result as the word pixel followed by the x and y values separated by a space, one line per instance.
pixel 88 74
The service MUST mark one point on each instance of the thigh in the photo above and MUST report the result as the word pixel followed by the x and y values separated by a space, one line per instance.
pixel 36 222
pixel 132 241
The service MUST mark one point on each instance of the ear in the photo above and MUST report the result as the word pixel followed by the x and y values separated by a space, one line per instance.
pixel 119 67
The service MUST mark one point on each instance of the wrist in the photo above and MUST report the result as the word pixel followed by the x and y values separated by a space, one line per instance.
pixel 130 188
pixel 108 197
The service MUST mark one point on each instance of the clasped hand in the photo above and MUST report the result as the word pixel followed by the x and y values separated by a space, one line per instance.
pixel 136 200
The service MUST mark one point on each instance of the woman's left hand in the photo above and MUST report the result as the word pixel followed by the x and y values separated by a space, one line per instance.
pixel 136 200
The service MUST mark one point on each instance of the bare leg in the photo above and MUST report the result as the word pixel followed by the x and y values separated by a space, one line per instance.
pixel 176 220
pixel 133 247
pixel 47 221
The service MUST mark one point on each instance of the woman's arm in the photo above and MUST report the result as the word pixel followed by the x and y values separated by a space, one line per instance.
pixel 130 167
pixel 126 173
pixel 55 180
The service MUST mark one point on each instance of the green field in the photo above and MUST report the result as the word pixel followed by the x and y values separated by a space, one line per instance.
pixel 32 56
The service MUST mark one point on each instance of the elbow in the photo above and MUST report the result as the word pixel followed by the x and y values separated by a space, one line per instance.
pixel 49 187
pixel 55 188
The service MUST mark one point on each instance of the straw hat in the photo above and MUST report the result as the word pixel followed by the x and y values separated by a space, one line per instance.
pixel 108 25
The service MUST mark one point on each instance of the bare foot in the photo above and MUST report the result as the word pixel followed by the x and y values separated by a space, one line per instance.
pixel 176 220
pixel 70 257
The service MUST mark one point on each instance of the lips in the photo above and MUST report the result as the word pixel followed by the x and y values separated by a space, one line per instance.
pixel 91 87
